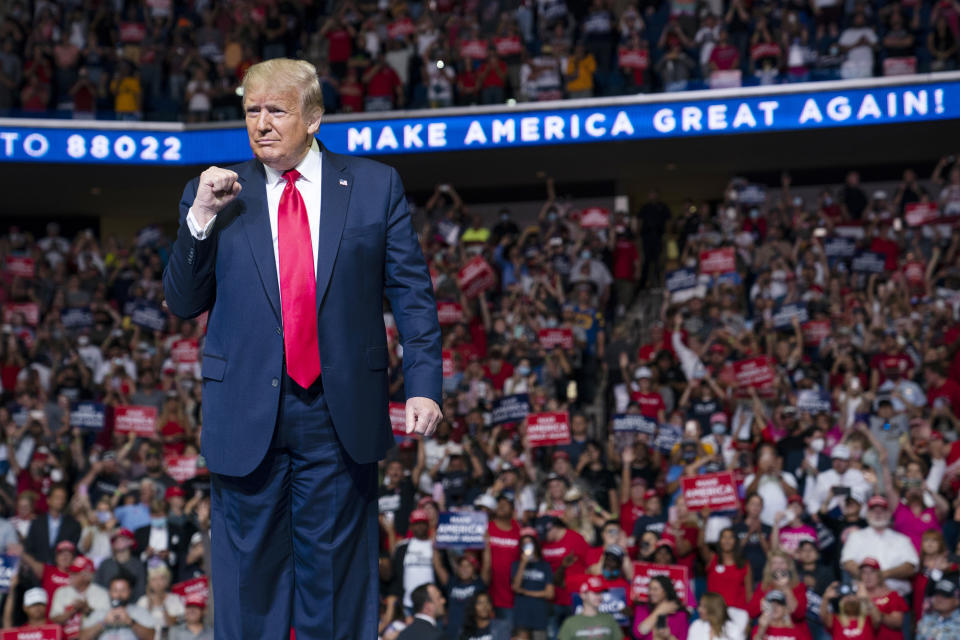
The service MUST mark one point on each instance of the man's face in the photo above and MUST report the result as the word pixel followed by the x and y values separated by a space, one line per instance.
pixel 944 605
pixel 420 530
pixel 57 500
pixel 120 590
pixel 153 461
pixel 81 580
pixel 579 425
pixel 395 472
pixel 840 465
pixel 438 601
pixel 504 508
pixel 279 135
pixel 591 598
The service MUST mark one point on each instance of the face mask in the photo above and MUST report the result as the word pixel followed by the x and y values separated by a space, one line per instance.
pixel 504 218
pixel 551 217
pixel 103 516
pixel 817 444
pixel 528 548
pixel 610 574
pixel 689 456
pixel 158 522
pixel 718 429
pixel 754 214
pixel 56 475
pixel 523 370
pixel 585 254
pixel 690 263
pixel 827 200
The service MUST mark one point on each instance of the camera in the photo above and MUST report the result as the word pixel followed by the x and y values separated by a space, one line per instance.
pixel 843 590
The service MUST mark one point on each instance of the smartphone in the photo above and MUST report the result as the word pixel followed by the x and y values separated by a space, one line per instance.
pixel 661 622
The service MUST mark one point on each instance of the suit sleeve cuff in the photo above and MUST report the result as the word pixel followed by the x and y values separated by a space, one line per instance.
pixel 194 226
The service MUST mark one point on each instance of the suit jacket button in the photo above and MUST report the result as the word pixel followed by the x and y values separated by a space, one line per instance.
pixel 279 331
pixel 275 382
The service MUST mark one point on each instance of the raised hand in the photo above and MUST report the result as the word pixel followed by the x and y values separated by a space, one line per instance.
pixel 218 188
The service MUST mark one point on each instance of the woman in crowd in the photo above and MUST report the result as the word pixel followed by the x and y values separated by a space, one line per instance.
pixel 935 562
pixel 165 607
pixel 663 606
pixel 728 573
pixel 780 574
pixel 851 616
pixel 480 623
pixel 532 583
pixel 715 621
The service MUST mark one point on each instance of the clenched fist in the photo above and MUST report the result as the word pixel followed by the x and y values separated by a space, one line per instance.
pixel 218 187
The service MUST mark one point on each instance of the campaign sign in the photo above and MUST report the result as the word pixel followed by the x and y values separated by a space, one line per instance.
pixel 547 429
pixel 918 214
pixel 148 315
pixel 398 418
pixel 614 602
pixel 556 337
pixel 678 575
pixel 813 401
pixel 449 313
pixel 461 530
pixel 784 316
pixel 186 351
pixel 868 262
pixel 140 420
pixel 839 247
pixel 87 415
pixel 20 266
pixel 476 277
pixel 43 632
pixel 8 567
pixel 446 360
pixel 851 229
pixel 634 58
pixel 717 491
pixel 30 311
pixel 717 261
pixel 667 438
pixel 76 318
pixel 754 372
pixel 815 331
pixel 634 423
pixel 595 218
pixel 181 468
pixel 681 280
pixel 509 409
pixel 191 587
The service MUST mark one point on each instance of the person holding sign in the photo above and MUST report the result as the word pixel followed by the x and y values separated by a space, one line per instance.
pixel 298 246
pixel 663 616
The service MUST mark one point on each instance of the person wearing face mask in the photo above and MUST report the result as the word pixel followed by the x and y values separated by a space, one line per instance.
pixel 162 540
pixel 532 582
pixel 719 439
pixel 611 538
pixel 520 381
pixel 812 461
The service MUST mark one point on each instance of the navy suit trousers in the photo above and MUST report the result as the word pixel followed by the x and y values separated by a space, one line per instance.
pixel 294 543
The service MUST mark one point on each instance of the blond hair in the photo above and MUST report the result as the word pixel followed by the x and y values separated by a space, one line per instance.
pixel 767 581
pixel 716 612
pixel 283 73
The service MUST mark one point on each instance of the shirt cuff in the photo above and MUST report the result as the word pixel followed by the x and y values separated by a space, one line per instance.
pixel 194 226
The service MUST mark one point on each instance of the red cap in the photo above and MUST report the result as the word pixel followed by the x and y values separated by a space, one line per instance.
pixel 174 492
pixel 560 453
pixel 419 515
pixel 594 584
pixel 717 347
pixel 123 533
pixel 39 456
pixel 66 545
pixel 878 501
pixel 408 443
pixel 795 498
pixel 667 542
pixel 936 435
pixel 528 531
pixel 638 481
pixel 650 493
pixel 472 559
pixel 870 562
pixel 81 564
pixel 424 501
pixel 195 600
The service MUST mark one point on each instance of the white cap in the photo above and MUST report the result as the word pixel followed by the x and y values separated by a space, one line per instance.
pixel 642 372
pixel 34 596
pixel 840 452
pixel 486 500
pixel 879 194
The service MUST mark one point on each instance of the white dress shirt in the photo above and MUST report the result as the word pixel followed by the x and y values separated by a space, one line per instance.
pixel 308 184
pixel 890 548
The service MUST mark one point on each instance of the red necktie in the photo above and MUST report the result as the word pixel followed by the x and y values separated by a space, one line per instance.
pixel 298 285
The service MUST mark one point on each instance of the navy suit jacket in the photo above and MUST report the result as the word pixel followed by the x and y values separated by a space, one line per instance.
pixel 367 249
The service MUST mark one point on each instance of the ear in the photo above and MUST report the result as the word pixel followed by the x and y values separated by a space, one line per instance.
pixel 314 125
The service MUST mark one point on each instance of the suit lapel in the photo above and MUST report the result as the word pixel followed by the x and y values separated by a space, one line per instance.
pixel 256 223
pixel 337 182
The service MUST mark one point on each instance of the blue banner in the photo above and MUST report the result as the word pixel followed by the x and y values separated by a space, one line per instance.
pixel 634 423
pixel 148 315
pixel 868 262
pixel 510 409
pixel 8 567
pixel 649 117
pixel 87 415
pixel 813 401
pixel 461 530
pixel 839 247
pixel 783 316
pixel 681 279
pixel 76 317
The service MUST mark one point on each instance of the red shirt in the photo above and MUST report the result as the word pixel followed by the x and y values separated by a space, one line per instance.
pixel 504 551
pixel 492 79
pixel 351 95
pixel 555 552
pixel 52 580
pixel 384 83
pixel 629 513
pixel 724 56
pixel 889 249
pixel 625 258
pixel 651 403
pixel 341 45
pixel 26 482
pixel 728 581
pixel 799 615
pixel 887 604
pixel 506 370
pixel 949 390
pixel 781 633
pixel 882 362
pixel 855 629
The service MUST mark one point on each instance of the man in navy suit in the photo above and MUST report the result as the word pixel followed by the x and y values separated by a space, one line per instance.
pixel 292 254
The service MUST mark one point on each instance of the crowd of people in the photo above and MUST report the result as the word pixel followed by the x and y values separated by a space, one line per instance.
pixel 838 448
pixel 161 60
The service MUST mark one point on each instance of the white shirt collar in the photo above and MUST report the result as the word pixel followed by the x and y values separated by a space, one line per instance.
pixel 424 616
pixel 309 167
